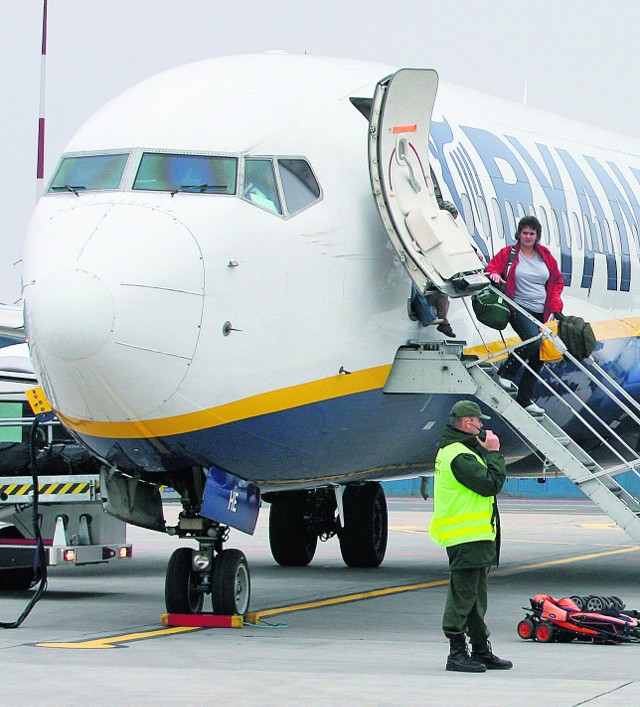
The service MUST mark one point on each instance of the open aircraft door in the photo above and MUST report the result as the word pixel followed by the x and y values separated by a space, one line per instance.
pixel 434 248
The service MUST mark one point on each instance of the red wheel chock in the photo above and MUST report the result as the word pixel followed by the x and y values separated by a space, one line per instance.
pixel 202 620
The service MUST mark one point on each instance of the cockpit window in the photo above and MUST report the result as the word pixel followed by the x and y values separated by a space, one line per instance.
pixel 260 184
pixel 298 183
pixel 89 172
pixel 203 174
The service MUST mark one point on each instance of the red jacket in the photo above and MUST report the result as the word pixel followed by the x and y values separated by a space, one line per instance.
pixel 555 283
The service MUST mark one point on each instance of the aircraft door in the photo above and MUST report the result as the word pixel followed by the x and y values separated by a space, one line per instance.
pixel 434 248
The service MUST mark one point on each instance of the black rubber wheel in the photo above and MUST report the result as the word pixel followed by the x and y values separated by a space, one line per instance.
pixel 231 584
pixel 363 539
pixel 14 578
pixel 180 594
pixel 293 543
pixel 618 603
pixel 596 603
pixel 17 579
pixel 578 601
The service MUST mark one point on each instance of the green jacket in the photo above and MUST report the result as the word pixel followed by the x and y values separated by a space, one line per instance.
pixel 483 480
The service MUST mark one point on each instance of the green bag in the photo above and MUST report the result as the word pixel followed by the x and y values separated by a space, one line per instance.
pixel 577 335
pixel 491 309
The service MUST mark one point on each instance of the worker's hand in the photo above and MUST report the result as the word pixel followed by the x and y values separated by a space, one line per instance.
pixel 491 442
pixel 494 277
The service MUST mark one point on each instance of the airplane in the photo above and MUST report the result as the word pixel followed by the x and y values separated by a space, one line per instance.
pixel 216 284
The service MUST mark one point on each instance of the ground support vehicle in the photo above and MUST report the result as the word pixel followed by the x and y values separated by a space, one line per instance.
pixel 73 524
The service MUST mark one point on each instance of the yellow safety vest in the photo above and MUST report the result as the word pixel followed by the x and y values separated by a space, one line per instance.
pixel 459 514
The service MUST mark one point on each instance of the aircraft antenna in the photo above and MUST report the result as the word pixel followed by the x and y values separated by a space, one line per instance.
pixel 43 80
pixel 524 95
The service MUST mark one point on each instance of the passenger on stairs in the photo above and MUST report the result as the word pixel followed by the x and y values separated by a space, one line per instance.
pixel 430 309
pixel 535 282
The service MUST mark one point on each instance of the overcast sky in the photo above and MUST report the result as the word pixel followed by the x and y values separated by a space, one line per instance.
pixel 579 58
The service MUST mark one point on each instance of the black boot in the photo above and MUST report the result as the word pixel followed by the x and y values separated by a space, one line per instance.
pixel 459 659
pixel 482 653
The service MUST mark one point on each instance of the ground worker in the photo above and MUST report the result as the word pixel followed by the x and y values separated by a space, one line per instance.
pixel 469 472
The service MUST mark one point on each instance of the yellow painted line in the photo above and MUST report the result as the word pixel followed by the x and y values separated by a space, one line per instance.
pixel 254 617
pixel 565 561
pixel 119 641
pixel 600 526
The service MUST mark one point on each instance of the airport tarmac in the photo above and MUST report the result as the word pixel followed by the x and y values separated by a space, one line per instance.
pixel 384 649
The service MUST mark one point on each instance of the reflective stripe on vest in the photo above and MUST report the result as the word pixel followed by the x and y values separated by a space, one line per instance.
pixel 460 515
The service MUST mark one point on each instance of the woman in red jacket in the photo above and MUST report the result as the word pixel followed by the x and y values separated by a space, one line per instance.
pixel 535 282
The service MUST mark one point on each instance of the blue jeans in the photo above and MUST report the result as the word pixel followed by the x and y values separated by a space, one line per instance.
pixel 525 329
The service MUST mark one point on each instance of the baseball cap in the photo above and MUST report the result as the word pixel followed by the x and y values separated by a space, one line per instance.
pixel 467 408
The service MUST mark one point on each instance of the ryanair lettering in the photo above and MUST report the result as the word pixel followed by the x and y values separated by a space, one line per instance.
pixel 587 206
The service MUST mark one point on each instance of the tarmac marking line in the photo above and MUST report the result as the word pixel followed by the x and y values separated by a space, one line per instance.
pixel 564 561
pixel 255 616
pixel 120 641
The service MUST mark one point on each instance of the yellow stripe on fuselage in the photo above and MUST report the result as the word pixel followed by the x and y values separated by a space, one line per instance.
pixel 263 404
pixel 295 396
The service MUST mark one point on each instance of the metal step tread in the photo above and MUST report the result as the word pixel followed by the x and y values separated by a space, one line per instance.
pixel 543 433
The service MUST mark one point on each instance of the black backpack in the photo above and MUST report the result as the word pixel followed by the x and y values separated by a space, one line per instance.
pixel 577 335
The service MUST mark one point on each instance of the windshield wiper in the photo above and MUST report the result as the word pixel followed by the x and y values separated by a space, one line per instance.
pixel 68 187
pixel 200 187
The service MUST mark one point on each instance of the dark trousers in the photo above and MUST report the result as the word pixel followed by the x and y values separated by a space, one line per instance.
pixel 525 329
pixel 467 604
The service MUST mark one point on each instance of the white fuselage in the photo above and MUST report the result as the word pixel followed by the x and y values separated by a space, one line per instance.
pixel 204 326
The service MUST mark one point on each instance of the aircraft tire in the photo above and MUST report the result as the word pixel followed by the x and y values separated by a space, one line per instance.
pixel 293 543
pixel 180 595
pixel 231 584
pixel 363 539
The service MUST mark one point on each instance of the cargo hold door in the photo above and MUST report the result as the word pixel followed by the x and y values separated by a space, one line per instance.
pixel 434 247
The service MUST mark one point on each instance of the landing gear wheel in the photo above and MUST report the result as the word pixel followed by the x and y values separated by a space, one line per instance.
pixel 526 629
pixel 293 543
pixel 363 539
pixel 231 584
pixel 180 594
pixel 544 633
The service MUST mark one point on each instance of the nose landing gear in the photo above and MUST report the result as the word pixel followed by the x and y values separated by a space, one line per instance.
pixel 191 573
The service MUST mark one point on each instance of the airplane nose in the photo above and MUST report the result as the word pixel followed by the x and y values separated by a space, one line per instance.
pixel 114 298
pixel 88 318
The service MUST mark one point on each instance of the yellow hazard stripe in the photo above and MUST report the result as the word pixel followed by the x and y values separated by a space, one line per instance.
pixel 47 489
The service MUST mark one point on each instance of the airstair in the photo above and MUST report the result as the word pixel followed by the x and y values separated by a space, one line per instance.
pixel 437 255
pixel 441 368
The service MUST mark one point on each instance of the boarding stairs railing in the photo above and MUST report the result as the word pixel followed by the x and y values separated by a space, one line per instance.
pixel 599 481
pixel 442 368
